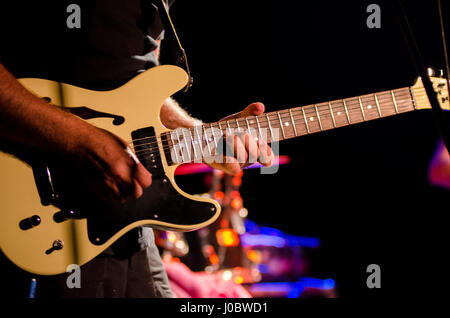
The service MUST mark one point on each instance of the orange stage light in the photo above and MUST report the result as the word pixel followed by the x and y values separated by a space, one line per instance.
pixel 227 237
pixel 236 203
pixel 214 259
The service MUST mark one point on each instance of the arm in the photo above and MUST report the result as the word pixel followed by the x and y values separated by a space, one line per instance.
pixel 173 116
pixel 28 120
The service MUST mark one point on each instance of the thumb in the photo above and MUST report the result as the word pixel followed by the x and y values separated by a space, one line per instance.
pixel 253 109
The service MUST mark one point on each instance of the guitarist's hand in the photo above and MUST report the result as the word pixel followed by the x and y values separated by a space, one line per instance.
pixel 102 158
pixel 245 148
pixel 111 170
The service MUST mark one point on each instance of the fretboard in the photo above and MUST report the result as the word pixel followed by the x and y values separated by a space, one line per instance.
pixel 274 126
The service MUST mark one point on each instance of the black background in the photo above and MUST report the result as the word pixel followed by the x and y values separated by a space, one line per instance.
pixel 362 190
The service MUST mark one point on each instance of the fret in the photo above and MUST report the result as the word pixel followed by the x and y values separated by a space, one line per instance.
pixel 395 102
pixel 281 125
pixel 248 125
pixel 182 150
pixel 173 146
pixel 270 127
pixel 293 122
pixel 404 100
pixel 206 140
pixel 318 117
pixel 229 127
pixel 413 98
pixel 362 108
pixel 189 154
pixel 306 120
pixel 370 110
pixel 237 124
pixel 332 115
pixel 214 135
pixel 199 141
pixel 250 128
pixel 378 105
pixel 346 111
pixel 259 127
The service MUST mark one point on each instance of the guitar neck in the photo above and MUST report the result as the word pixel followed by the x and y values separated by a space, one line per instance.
pixel 288 123
pixel 300 121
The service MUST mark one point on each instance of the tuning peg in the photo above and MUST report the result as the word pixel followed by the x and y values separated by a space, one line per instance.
pixel 441 73
pixel 431 71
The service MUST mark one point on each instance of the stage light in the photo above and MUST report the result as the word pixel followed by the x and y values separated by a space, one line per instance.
pixel 235 194
pixel 239 280
pixel 318 283
pixel 236 203
pixel 227 275
pixel 219 195
pixel 254 256
pixel 171 237
pixel 227 237
pixel 236 181
pixel 224 223
pixel 214 259
pixel 180 245
pixel 243 213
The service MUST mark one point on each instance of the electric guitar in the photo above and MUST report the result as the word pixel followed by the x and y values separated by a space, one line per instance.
pixel 49 220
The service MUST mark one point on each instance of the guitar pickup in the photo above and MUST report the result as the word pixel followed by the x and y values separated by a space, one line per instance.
pixel 146 149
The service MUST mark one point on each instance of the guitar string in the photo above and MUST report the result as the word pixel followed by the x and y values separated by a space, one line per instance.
pixel 195 157
pixel 147 152
pixel 401 92
pixel 322 113
pixel 323 105
pixel 300 121
pixel 298 118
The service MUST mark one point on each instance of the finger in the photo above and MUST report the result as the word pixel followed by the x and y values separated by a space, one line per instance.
pixel 230 165
pixel 112 191
pixel 252 149
pixel 239 150
pixel 122 173
pixel 138 191
pixel 97 178
pixel 266 156
pixel 253 109
pixel 142 176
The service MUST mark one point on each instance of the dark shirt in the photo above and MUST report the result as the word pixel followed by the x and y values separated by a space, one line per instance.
pixel 116 42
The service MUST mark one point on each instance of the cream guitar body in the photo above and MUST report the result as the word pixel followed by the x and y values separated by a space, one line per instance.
pixel 45 239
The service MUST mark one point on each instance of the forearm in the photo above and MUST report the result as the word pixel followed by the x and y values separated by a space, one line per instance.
pixel 173 116
pixel 26 119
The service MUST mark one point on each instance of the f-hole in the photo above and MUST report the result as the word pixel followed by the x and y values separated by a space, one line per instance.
pixel 89 113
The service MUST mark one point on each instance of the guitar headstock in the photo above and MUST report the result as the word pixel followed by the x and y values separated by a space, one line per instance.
pixel 440 87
